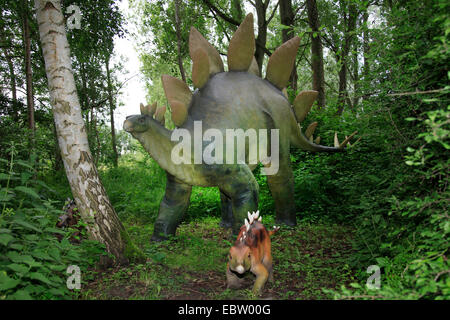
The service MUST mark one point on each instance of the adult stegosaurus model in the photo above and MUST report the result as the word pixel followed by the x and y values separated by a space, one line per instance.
pixel 237 99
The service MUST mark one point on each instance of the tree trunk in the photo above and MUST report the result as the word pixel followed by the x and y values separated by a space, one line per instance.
pixel 111 111
pixel 90 196
pixel 355 75
pixel 318 79
pixel 12 75
pixel 262 33
pixel 237 10
pixel 366 65
pixel 28 70
pixel 365 42
pixel 287 18
pixel 178 32
pixel 349 25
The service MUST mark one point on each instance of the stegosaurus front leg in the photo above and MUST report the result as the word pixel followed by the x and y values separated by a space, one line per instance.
pixel 172 208
pixel 262 274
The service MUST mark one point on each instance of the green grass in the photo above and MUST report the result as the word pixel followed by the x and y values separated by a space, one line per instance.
pixel 191 265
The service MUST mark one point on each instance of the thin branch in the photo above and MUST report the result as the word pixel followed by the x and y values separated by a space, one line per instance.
pixel 99 103
pixel 414 92
pixel 219 23
pixel 221 13
pixel 330 44
pixel 299 8
pixel 440 274
pixel 273 12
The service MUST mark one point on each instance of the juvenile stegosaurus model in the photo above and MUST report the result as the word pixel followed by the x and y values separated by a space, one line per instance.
pixel 237 99
pixel 251 252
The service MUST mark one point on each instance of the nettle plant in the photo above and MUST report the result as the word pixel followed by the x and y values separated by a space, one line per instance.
pixel 417 265
pixel 33 263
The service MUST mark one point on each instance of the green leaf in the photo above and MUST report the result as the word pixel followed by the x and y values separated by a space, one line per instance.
pixel 57 292
pixel 22 295
pixel 54 230
pixel 55 253
pixel 382 262
pixel 5 196
pixel 6 282
pixel 27 191
pixel 25 164
pixel 5 238
pixel 26 225
pixel 18 258
pixel 54 267
pixel 25 176
pixel 4 176
pixel 40 254
pixel 40 277
pixel 31 237
pixel 16 246
pixel 19 268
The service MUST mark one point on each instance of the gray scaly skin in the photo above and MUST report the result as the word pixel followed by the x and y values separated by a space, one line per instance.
pixel 227 100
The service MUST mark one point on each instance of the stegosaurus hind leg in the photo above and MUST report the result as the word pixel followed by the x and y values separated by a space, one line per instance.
pixel 227 211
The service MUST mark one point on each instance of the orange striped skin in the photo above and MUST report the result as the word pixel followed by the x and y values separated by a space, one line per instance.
pixel 251 252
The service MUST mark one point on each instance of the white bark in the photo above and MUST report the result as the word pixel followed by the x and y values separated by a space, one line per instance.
pixel 87 189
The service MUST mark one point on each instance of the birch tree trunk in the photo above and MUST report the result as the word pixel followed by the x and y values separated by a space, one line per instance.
pixel 103 224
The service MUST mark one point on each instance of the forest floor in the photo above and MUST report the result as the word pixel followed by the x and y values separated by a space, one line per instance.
pixel 307 259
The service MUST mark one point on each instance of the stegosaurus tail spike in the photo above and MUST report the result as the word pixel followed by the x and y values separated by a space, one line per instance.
pixel 242 46
pixel 303 103
pixel 200 68
pixel 281 62
pixel 317 140
pixel 336 140
pixel 310 130
pixel 196 41
pixel 254 69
